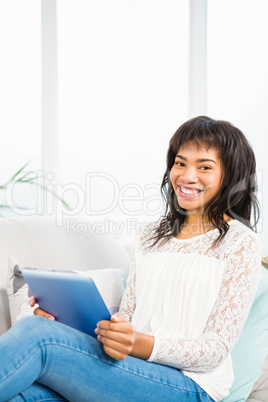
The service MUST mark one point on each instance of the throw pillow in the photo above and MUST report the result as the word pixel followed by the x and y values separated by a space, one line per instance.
pixel 110 283
pixel 18 292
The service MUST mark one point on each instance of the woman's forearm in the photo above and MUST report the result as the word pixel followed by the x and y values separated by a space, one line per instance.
pixel 143 346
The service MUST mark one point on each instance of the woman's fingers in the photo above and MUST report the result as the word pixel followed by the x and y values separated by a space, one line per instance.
pixel 121 333
pixel 115 354
pixel 39 311
pixel 117 323
pixel 42 313
pixel 114 348
pixel 117 336
pixel 32 301
pixel 125 340
pixel 117 317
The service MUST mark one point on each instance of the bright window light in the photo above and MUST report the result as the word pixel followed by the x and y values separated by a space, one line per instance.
pixel 20 94
pixel 123 91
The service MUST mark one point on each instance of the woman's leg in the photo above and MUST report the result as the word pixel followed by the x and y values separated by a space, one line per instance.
pixel 74 365
pixel 37 392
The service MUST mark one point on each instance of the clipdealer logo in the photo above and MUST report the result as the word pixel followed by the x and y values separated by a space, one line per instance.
pixel 101 195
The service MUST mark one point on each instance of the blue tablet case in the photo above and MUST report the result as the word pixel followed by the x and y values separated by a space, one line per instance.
pixel 72 299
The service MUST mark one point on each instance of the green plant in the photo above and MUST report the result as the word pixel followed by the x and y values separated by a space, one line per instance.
pixel 29 177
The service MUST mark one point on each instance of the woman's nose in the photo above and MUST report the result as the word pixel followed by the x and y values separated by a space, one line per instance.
pixel 189 175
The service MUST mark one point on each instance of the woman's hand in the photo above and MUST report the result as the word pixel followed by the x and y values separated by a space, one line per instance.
pixel 39 311
pixel 120 339
pixel 117 336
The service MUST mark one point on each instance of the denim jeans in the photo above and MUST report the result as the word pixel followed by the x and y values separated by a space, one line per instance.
pixel 42 360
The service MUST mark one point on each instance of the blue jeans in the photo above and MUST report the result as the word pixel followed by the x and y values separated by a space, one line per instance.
pixel 42 360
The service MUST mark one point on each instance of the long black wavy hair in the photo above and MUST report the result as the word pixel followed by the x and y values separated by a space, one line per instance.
pixel 237 195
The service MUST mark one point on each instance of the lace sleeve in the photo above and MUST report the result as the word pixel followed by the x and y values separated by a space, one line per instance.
pixel 239 284
pixel 128 302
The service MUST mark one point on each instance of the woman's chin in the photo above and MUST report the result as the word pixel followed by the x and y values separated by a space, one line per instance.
pixel 192 206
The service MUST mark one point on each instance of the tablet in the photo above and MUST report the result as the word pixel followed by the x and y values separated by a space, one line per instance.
pixel 72 299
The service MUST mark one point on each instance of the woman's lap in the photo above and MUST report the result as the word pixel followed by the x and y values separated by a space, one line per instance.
pixel 74 365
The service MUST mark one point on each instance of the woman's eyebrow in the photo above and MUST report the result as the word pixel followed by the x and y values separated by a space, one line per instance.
pixel 198 160
pixel 181 157
pixel 206 160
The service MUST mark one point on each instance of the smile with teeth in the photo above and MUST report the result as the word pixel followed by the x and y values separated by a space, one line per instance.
pixel 188 191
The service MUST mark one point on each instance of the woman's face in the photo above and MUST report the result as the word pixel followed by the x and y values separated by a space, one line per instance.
pixel 196 176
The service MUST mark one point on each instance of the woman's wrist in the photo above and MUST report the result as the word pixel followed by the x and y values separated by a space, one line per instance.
pixel 143 346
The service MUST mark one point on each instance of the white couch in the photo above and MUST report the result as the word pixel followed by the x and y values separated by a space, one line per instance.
pixel 38 242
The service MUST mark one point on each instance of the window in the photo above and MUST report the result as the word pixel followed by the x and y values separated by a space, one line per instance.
pixel 20 95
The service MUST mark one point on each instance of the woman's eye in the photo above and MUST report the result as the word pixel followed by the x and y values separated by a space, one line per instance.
pixel 205 168
pixel 180 164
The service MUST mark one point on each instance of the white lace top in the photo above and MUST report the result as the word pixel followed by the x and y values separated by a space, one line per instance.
pixel 194 299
